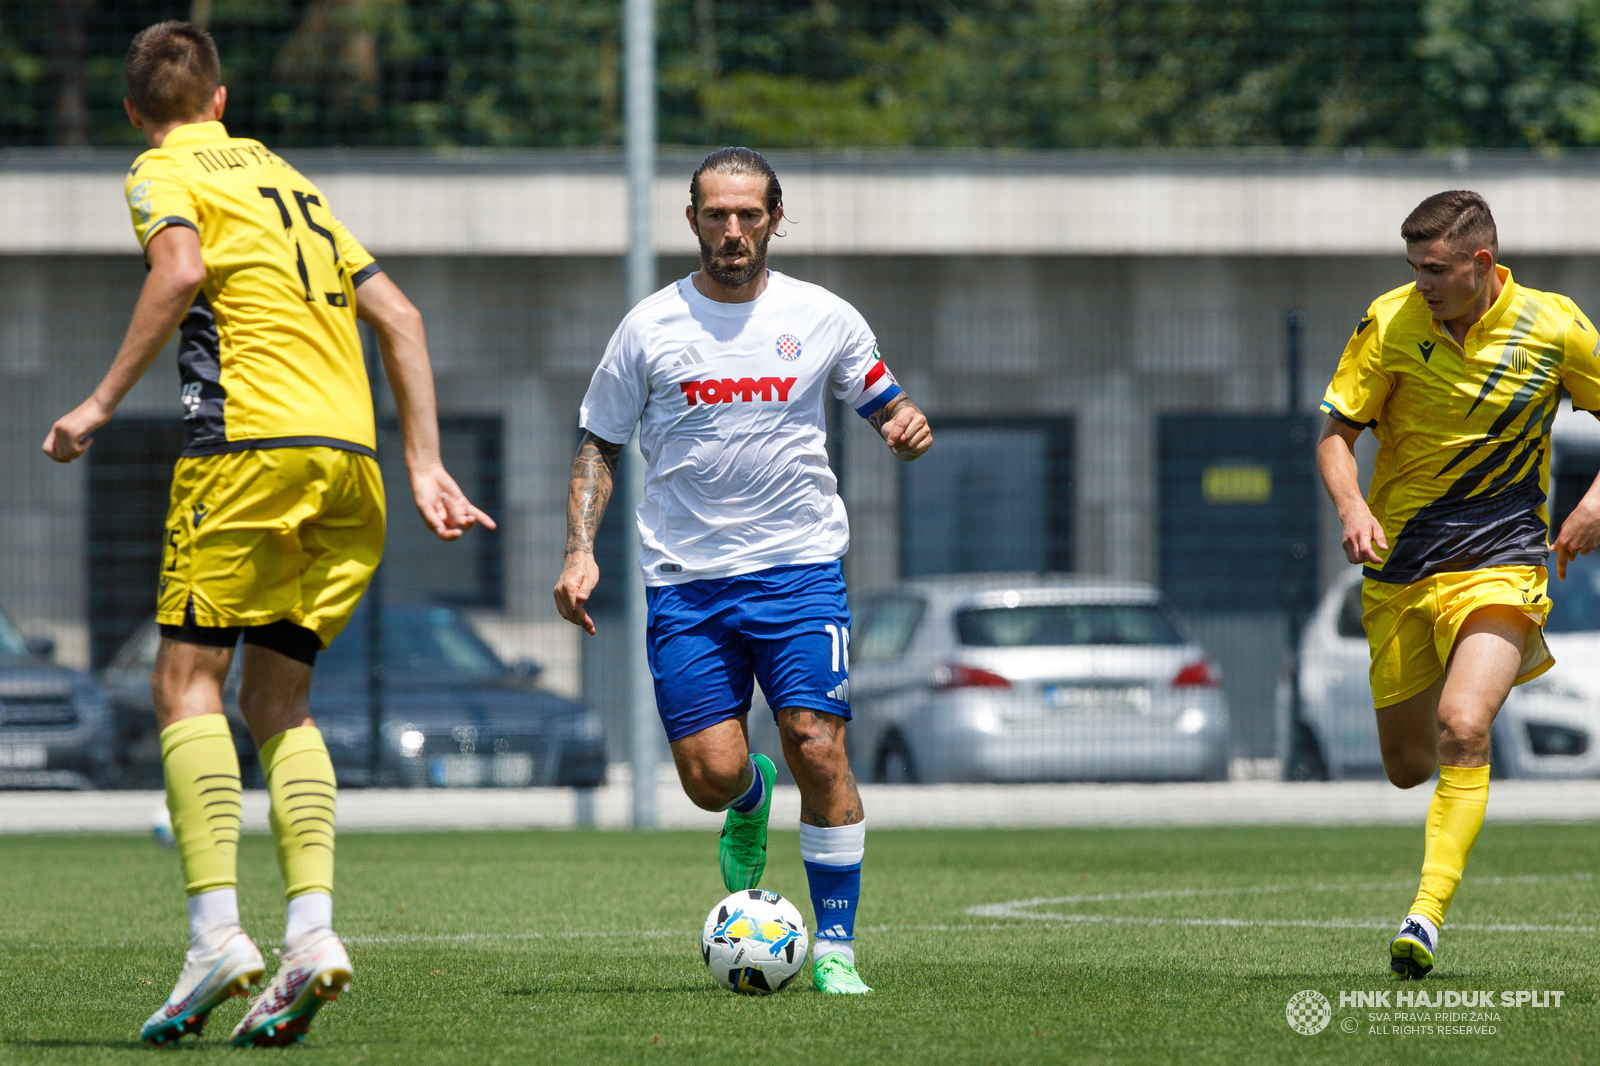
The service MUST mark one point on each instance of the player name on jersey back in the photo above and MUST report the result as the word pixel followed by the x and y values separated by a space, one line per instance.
pixel 269 355
pixel 731 405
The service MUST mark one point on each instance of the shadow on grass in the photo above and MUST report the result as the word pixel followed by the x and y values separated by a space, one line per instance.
pixel 110 1044
pixel 612 990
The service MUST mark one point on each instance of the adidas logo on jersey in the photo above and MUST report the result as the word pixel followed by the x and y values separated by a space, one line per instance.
pixel 841 691
pixel 726 390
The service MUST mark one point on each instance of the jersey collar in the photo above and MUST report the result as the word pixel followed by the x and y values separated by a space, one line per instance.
pixel 1508 292
pixel 194 133
pixel 1497 310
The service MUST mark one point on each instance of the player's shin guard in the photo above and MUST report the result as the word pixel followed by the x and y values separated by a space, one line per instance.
pixel 1455 815
pixel 833 868
pixel 301 786
pixel 202 775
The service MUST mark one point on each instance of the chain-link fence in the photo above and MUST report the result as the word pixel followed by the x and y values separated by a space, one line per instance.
pixel 1018 74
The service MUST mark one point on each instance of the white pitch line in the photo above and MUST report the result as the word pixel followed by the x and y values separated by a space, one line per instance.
pixel 1021 909
pixel 1002 910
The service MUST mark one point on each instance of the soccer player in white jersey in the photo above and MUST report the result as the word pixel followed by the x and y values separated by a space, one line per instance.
pixel 726 373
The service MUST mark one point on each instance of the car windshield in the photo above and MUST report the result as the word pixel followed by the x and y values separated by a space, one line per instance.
pixel 1066 623
pixel 432 641
pixel 1575 602
pixel 11 642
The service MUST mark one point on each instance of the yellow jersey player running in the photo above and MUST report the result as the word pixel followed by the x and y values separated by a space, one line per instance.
pixel 277 515
pixel 1459 375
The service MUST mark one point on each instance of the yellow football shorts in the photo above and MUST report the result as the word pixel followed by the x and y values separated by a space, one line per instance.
pixel 1412 628
pixel 278 533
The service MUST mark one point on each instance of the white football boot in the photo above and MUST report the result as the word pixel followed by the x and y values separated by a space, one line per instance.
pixel 312 974
pixel 209 978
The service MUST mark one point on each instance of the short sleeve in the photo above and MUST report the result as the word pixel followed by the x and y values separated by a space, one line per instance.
pixel 1360 386
pixel 357 260
pixel 861 378
pixel 159 197
pixel 1580 367
pixel 619 388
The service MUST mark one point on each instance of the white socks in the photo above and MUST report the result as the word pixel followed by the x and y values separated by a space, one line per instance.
pixel 309 913
pixel 840 845
pixel 212 915
pixel 1427 927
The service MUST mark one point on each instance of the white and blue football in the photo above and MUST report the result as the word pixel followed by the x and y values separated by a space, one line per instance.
pixel 754 942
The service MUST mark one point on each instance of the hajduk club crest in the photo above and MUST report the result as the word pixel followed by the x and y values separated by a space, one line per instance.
pixel 788 347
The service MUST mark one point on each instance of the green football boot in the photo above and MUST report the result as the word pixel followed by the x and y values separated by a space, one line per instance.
pixel 742 850
pixel 836 974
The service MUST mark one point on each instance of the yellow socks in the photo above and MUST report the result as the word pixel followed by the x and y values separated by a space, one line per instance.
pixel 301 785
pixel 1455 815
pixel 202 773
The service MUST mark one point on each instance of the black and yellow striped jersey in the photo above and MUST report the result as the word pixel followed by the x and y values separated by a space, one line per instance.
pixel 1463 430
pixel 269 355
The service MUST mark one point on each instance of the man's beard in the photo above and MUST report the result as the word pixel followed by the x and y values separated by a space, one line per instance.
pixel 733 279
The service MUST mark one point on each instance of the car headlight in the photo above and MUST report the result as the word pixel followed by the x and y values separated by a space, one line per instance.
pixel 411 742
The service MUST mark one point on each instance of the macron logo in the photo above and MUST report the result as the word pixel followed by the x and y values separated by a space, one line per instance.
pixel 727 390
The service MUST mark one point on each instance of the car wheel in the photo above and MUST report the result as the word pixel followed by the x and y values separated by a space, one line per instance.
pixel 893 765
pixel 1305 756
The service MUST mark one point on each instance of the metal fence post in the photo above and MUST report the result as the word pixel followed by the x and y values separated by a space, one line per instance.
pixel 639 115
pixel 374 595
pixel 1292 351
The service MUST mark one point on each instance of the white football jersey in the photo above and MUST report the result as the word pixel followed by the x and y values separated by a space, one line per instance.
pixel 731 405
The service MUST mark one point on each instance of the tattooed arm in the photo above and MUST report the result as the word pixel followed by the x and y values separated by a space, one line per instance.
pixel 594 470
pixel 903 427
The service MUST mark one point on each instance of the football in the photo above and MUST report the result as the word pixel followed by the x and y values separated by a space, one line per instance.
pixel 754 942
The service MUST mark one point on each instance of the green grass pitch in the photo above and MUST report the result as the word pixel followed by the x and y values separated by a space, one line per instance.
pixel 1167 946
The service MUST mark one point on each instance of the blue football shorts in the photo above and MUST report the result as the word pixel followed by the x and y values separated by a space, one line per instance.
pixel 787 627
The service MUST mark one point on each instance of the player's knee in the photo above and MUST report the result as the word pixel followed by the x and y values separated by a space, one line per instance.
pixel 1407 770
pixel 710 786
pixel 815 752
pixel 1462 736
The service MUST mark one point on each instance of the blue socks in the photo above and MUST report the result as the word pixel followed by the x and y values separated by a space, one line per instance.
pixel 833 868
pixel 757 794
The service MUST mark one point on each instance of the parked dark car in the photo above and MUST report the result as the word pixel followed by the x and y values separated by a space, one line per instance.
pixel 454 714
pixel 55 723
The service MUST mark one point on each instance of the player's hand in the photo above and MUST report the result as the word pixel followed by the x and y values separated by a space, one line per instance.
pixel 579 576
pixel 69 438
pixel 443 505
pixel 1580 535
pixel 1363 538
pixel 907 433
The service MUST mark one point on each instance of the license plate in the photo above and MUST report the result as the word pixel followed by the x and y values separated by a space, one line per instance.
pixel 456 771
pixel 23 757
pixel 511 769
pixel 1099 699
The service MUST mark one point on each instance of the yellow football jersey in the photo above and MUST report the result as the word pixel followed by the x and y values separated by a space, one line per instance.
pixel 1463 430
pixel 269 355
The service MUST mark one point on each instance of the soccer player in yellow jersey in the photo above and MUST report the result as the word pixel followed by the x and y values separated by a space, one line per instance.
pixel 1459 375
pixel 277 515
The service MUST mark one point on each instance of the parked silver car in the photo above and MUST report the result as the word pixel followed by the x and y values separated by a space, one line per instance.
pixel 1030 677
pixel 1549 727
pixel 55 723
